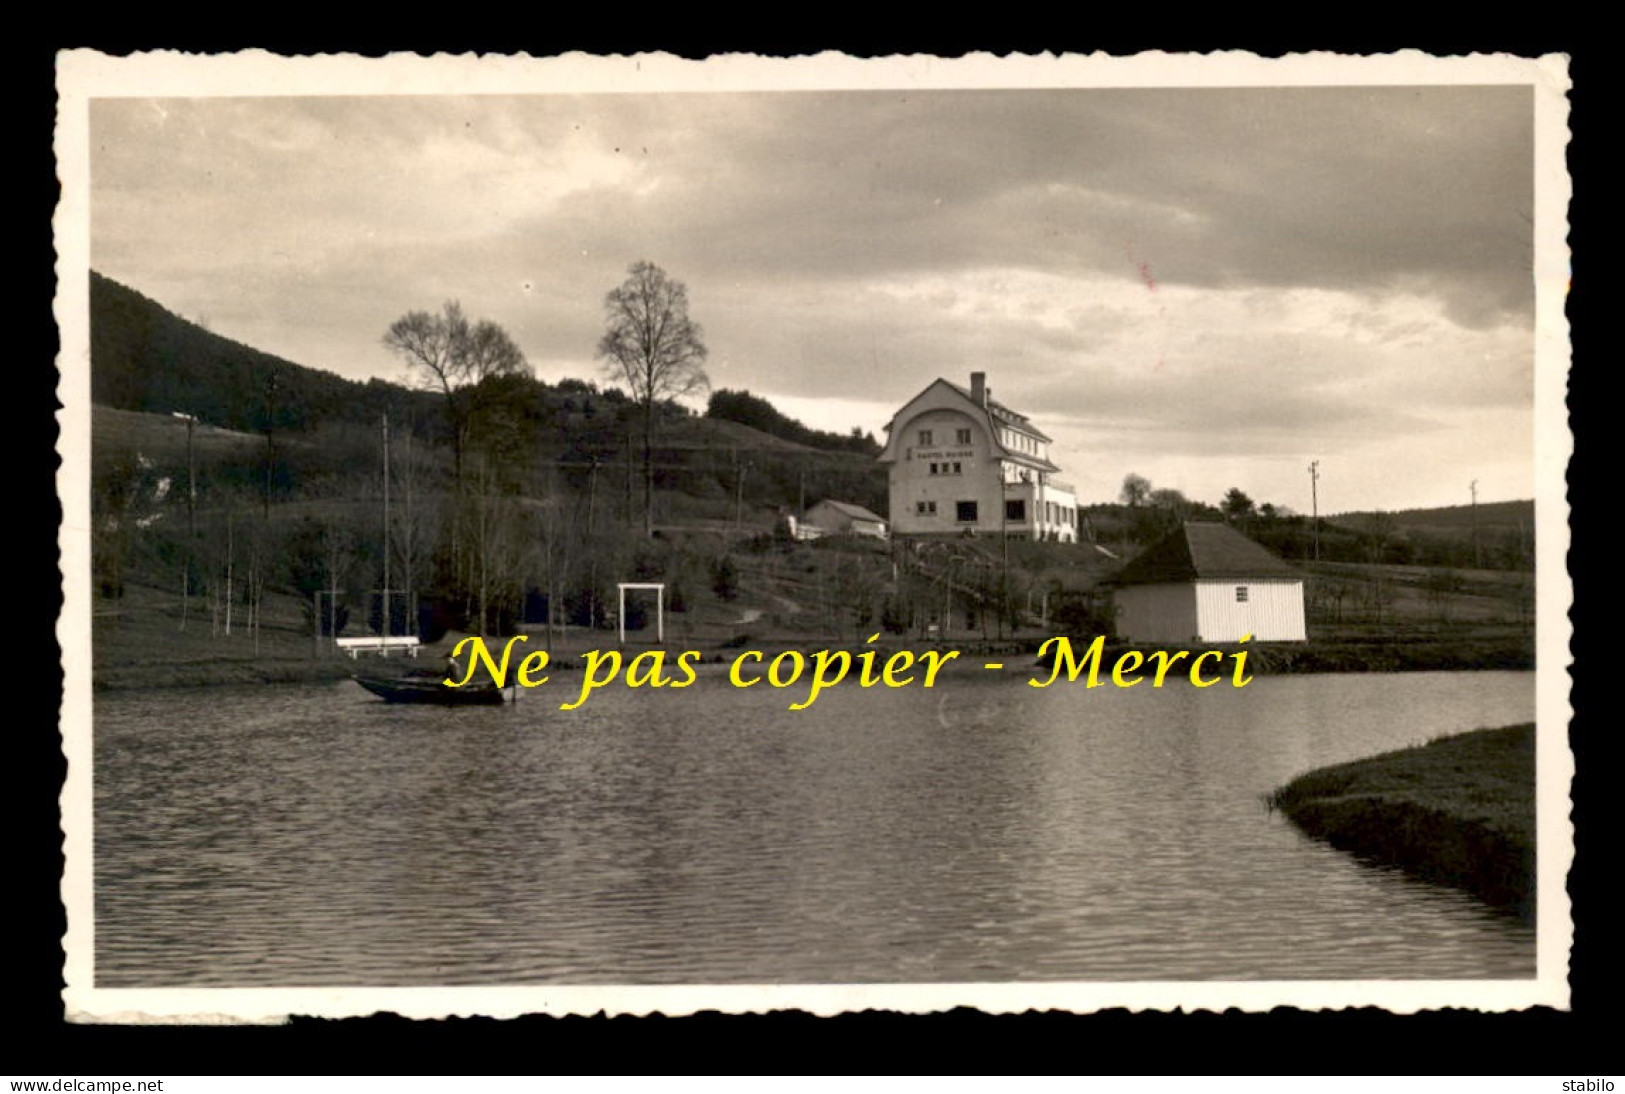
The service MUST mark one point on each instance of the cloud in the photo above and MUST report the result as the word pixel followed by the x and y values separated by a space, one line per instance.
pixel 1241 271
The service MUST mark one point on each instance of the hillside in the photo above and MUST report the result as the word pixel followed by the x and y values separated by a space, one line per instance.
pixel 272 495
pixel 1490 516
pixel 543 516
pixel 143 357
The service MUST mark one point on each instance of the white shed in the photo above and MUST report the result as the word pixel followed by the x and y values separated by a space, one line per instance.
pixel 1207 582
pixel 844 518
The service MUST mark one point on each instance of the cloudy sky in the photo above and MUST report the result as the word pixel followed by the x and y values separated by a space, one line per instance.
pixel 1206 286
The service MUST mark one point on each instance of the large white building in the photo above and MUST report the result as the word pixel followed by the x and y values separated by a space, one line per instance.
pixel 961 462
pixel 1207 582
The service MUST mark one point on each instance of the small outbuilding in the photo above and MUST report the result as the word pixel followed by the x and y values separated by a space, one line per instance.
pixel 1206 582
pixel 836 518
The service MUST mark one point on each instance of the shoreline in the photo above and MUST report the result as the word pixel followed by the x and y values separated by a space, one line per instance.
pixel 1429 654
pixel 1457 811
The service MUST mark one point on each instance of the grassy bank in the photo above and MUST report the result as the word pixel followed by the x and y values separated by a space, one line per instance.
pixel 1434 653
pixel 1439 653
pixel 1459 811
pixel 270 670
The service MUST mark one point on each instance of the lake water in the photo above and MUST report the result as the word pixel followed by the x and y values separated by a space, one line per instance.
pixel 979 831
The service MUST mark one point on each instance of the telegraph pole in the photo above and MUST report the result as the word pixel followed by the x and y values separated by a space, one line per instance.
pixel 1478 558
pixel 270 443
pixel 1314 502
pixel 1004 567
pixel 191 515
pixel 631 514
pixel 592 486
pixel 386 620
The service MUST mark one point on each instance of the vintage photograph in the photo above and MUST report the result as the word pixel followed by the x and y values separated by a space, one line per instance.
pixel 639 534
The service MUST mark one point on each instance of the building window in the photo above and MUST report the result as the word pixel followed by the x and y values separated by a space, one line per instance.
pixel 965 512
pixel 1241 594
pixel 956 467
pixel 925 508
pixel 962 436
pixel 933 469
pixel 1015 509
pixel 925 438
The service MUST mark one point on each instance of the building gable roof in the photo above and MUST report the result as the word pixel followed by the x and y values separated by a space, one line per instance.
pixel 1200 550
pixel 1002 413
pixel 994 413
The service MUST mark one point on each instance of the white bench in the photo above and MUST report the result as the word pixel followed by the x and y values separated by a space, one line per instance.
pixel 374 643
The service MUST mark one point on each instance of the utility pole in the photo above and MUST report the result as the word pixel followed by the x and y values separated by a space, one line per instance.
pixel 191 515
pixel 1314 502
pixel 1004 562
pixel 231 558
pixel 631 513
pixel 592 489
pixel 1478 558
pixel 270 443
pixel 386 621
pixel 410 551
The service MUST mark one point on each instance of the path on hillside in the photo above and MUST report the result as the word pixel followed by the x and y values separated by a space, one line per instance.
pixel 751 615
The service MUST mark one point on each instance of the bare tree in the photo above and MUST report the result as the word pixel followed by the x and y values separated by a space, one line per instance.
pixel 652 345
pixel 1377 531
pixel 449 354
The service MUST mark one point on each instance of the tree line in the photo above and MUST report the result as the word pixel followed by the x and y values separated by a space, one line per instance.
pixel 1376 537
pixel 759 414
pixel 529 517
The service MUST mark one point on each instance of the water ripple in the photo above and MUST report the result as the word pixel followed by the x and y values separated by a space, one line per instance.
pixel 310 836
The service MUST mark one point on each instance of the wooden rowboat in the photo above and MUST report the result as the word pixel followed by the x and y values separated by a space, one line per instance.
pixel 426 687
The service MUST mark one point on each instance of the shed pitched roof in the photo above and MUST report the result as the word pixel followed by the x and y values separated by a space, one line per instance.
pixel 1202 550
pixel 848 509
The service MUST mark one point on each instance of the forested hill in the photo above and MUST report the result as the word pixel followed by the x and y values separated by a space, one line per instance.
pixel 1499 515
pixel 144 357
pixel 759 414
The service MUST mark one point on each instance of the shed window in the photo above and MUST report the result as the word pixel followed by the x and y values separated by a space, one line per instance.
pixel 1241 594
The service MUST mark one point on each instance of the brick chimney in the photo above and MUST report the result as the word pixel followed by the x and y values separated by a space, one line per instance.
pixel 978 388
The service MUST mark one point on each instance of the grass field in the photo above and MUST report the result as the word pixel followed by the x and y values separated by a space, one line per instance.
pixel 1459 810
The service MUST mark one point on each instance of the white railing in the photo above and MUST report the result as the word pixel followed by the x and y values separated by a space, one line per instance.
pixel 379 644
